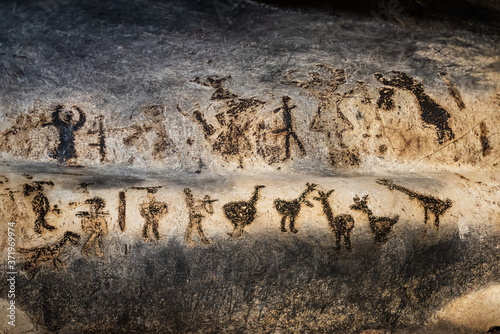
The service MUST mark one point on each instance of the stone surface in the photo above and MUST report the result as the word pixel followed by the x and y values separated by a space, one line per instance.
pixel 233 167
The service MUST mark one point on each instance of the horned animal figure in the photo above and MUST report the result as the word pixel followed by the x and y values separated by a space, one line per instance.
pixel 242 213
pixel 48 253
pixel 380 226
pixel 341 225
pixel 429 203
pixel 291 209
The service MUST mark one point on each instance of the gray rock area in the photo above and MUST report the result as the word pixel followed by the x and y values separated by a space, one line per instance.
pixel 240 167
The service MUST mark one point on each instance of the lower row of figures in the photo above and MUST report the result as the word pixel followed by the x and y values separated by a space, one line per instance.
pixel 239 213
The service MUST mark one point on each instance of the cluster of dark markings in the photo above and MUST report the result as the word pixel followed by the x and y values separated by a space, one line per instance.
pixel 239 132
pixel 239 213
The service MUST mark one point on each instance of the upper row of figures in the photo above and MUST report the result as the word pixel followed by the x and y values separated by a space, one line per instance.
pixel 240 133
pixel 239 213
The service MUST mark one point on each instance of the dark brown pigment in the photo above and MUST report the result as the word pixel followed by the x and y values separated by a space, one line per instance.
pixel 291 209
pixel 242 213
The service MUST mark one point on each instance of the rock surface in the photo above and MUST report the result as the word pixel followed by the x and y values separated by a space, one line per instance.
pixel 235 167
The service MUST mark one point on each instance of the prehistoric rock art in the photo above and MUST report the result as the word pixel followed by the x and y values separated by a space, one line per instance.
pixel 242 213
pixel 385 100
pixel 291 209
pixel 152 211
pixel 197 209
pixel 430 204
pixel 84 186
pixel 483 137
pixel 431 112
pixel 101 138
pixel 454 92
pixel 34 256
pixel 341 225
pixel 155 123
pixel 94 224
pixel 62 119
pixel 231 140
pixel 288 130
pixel 122 210
pixel 380 226
pixel 329 119
pixel 40 204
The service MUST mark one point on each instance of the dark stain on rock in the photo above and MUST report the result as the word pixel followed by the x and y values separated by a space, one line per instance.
pixel 29 177
pixel 382 149
pixel 485 144
pixel 208 129
pixel 385 100
pixel 340 225
pixel 190 141
pixel 216 82
pixel 242 213
pixel 430 204
pixel 291 209
pixel 431 112
pixel 62 119
pixel 122 210
pixel 381 226
pixel 84 186
pixel 152 211
pixel 56 210
pixel 454 92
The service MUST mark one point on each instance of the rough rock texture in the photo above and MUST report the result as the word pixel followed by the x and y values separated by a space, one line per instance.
pixel 229 166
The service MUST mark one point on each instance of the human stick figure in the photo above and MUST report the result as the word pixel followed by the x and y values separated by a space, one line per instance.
pixel 94 224
pixel 152 211
pixel 62 119
pixel 288 130
pixel 197 209
pixel 40 204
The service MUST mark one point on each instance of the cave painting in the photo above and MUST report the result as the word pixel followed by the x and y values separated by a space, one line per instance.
pixel 198 208
pixel 101 137
pixel 231 139
pixel 94 224
pixel 35 256
pixel 288 130
pixel 242 213
pixel 152 211
pixel 39 203
pixel 341 225
pixel 430 203
pixel 329 119
pixel 431 112
pixel 291 209
pixel 62 119
pixel 381 226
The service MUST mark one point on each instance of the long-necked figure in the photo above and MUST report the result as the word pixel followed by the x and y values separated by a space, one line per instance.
pixel 94 224
pixel 62 119
pixel 152 211
pixel 40 204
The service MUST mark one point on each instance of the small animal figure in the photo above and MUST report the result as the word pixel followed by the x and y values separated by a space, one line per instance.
pixel 380 226
pixel 291 209
pixel 197 207
pixel 35 256
pixel 429 203
pixel 242 213
pixel 341 225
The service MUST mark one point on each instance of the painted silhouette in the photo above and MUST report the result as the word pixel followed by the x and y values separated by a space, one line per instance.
pixel 122 210
pixel 288 130
pixel 380 226
pixel 101 138
pixel 329 119
pixel 62 119
pixel 341 225
pixel 242 213
pixel 197 210
pixel 34 256
pixel 94 224
pixel 40 204
pixel 152 211
pixel 431 112
pixel 291 209
pixel 430 204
